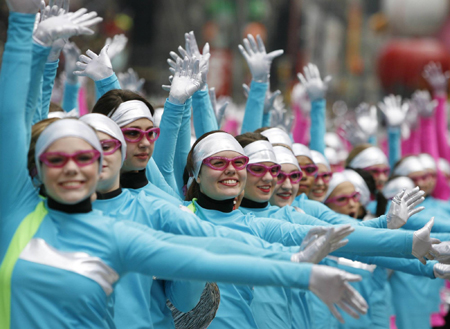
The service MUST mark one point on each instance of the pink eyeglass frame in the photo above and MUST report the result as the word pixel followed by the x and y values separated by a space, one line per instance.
pixel 355 196
pixel 207 162
pixel 266 169
pixel 142 133
pixel 43 157
pixel 309 166
pixel 117 145
pixel 286 175
pixel 377 171
pixel 320 175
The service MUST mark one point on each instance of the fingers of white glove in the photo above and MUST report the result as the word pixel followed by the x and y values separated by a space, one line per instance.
pixel 172 70
pixel 80 73
pixel 347 309
pixel 354 299
pixel 246 89
pixel 244 52
pixel 261 46
pixel 91 54
pixel 90 22
pixel 413 203
pixel 248 48
pixel 193 43
pixel 302 79
pixel 435 241
pixel 337 245
pixel 174 55
pixel 327 80
pixel 81 66
pixel 84 31
pixel 80 12
pixel 351 277
pixel 205 49
pixel 336 313
pixel 252 42
pixel 166 88
pixel 182 52
pixel 429 225
pixel 415 211
pixel 86 17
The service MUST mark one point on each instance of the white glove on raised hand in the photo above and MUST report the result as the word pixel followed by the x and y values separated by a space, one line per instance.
pixel 185 82
pixel 423 244
pixel 116 45
pixel 402 207
pixel 193 53
pixel 299 97
pixel 438 80
pixel 353 133
pixel 219 107
pixel 280 117
pixel 441 271
pixel 394 111
pixel 315 87
pixel 411 119
pixel 71 53
pixel 423 102
pixel 332 286
pixel 24 6
pixel 130 81
pixel 258 60
pixel 65 26
pixel 443 252
pixel 366 117
pixel 96 67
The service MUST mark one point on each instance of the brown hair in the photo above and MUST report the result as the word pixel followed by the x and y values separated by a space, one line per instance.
pixel 109 102
pixel 55 108
pixel 194 189
pixel 260 130
pixel 356 150
pixel 249 137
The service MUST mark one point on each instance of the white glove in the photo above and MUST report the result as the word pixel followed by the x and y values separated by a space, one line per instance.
pixel 299 97
pixel 315 87
pixel 24 6
pixel 71 53
pixel 257 59
pixel 269 100
pixel 402 207
pixel 332 287
pixel 423 244
pixel 436 78
pixel 130 81
pixel 441 271
pixel 65 26
pixel 366 117
pixel 280 117
pixel 219 107
pixel 116 45
pixel 193 53
pixel 411 119
pixel 339 232
pixel 394 111
pixel 96 67
pixel 353 133
pixel 185 82
pixel 443 252
pixel 422 101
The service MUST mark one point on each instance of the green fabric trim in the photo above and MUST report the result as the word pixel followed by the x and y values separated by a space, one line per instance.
pixel 26 230
pixel 192 207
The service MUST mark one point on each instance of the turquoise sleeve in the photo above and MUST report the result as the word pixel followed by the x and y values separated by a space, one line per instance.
pixel 183 146
pixel 395 151
pixel 70 99
pixel 47 87
pixel 254 108
pixel 266 120
pixel 203 113
pixel 139 251
pixel 107 84
pixel 184 295
pixel 156 178
pixel 165 146
pixel 318 128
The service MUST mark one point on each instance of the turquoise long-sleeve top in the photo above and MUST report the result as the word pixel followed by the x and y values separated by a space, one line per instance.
pixel 203 113
pixel 254 108
pixel 183 146
pixel 318 122
pixel 70 97
pixel 47 86
pixel 395 146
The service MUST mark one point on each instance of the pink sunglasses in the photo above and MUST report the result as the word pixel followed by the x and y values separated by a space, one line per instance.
pixel 422 177
pixel 59 159
pixel 135 135
pixel 294 177
pixel 325 176
pixel 221 163
pixel 378 171
pixel 344 199
pixel 109 146
pixel 259 170
pixel 309 170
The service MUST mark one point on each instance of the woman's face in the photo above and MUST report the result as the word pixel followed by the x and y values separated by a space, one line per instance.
pixel 110 174
pixel 320 186
pixel 380 174
pixel 432 178
pixel 260 189
pixel 138 154
pixel 285 193
pixel 344 204
pixel 70 184
pixel 421 179
pixel 222 184
pixel 307 181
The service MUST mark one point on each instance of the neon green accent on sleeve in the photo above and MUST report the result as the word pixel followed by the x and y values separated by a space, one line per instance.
pixel 191 206
pixel 26 230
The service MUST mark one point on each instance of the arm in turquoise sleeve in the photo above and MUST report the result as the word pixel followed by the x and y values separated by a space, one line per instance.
pixel 155 177
pixel 70 99
pixel 254 108
pixel 266 119
pixel 183 147
pixel 441 236
pixel 317 140
pixel 184 295
pixel 139 251
pixel 165 146
pixel 47 87
pixel 394 138
pixel 107 84
pixel 14 84
pixel 203 112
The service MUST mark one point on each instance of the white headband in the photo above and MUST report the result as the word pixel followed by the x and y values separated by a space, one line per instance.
pixel 66 128
pixel 427 161
pixel 409 165
pixel 359 184
pixel 104 124
pixel 130 111
pixel 338 178
pixel 284 155
pixel 260 151
pixel 302 150
pixel 395 186
pixel 213 144
pixel 61 114
pixel 369 157
pixel 277 136
pixel 319 158
pixel 444 166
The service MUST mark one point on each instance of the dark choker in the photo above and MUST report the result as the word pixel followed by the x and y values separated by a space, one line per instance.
pixel 109 195
pixel 84 206
pixel 246 203
pixel 133 180
pixel 224 205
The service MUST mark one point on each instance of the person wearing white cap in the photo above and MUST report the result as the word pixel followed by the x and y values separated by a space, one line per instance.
pixel 321 181
pixel 307 165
